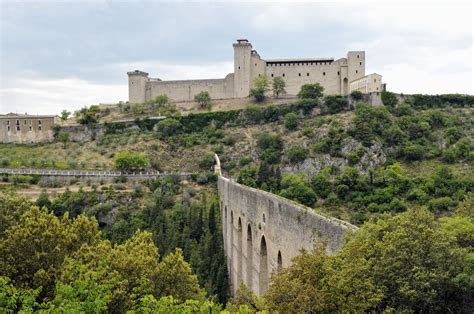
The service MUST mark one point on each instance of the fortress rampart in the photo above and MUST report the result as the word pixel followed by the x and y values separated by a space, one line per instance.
pixel 263 232
pixel 336 76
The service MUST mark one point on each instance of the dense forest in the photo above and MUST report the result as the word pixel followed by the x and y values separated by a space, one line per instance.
pixel 401 171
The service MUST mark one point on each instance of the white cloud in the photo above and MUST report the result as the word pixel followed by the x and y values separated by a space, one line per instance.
pixel 44 96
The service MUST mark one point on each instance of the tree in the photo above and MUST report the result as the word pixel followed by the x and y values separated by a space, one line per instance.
pixel 260 84
pixel 311 91
pixel 168 127
pixel 32 251
pixel 297 153
pixel 203 99
pixel 130 161
pixel 335 104
pixel 278 86
pixel 296 187
pixel 389 99
pixel 89 115
pixel 291 121
pixel 65 114
pixel 356 95
pixel 63 137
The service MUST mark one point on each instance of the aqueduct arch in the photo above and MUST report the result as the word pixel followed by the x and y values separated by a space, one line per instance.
pixel 275 230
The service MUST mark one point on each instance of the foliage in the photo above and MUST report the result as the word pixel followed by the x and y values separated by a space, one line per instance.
pixel 168 127
pixel 336 104
pixel 296 187
pixel 440 101
pixel 311 91
pixel 389 99
pixel 278 86
pixel 206 162
pixel 64 137
pixel 89 115
pixel 297 153
pixel 203 99
pixel 270 146
pixel 356 95
pixel 291 121
pixel 260 87
pixel 65 115
pixel 130 161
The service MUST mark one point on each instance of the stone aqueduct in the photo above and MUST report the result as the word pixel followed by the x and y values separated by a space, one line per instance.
pixel 263 232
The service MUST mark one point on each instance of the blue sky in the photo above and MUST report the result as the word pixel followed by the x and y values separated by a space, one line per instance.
pixel 68 54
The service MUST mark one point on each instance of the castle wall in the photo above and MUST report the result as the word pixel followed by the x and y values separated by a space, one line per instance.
pixel 263 232
pixel 186 90
pixel 26 129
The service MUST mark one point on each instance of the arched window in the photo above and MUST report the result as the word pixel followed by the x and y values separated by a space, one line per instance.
pixel 249 257
pixel 263 270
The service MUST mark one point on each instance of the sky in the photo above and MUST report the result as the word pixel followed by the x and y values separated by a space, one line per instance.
pixel 57 55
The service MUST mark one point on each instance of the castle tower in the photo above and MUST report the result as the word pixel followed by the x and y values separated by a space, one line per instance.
pixel 355 65
pixel 242 55
pixel 136 86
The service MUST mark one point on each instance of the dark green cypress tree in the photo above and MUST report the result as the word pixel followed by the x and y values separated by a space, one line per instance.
pixel 212 218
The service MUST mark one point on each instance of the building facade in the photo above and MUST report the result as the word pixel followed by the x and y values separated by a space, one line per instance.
pixel 23 129
pixel 336 76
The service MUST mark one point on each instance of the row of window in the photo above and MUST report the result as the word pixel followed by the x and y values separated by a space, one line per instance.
pixel 307 74
pixel 18 128
pixel 18 122
pixel 271 64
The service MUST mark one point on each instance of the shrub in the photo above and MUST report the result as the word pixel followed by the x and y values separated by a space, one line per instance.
pixel 389 99
pixel 308 132
pixel 278 86
pixel 291 121
pixel 260 88
pixel 311 91
pixel 206 162
pixel 253 114
pixel 203 99
pixel 335 104
pixel 440 204
pixel 130 161
pixel 168 127
pixel 297 154
pixel 297 188
pixel 229 140
pixel 356 95
pixel 413 151
pixel 270 146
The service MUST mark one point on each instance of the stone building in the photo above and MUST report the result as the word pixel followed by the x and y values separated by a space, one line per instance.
pixel 338 77
pixel 25 128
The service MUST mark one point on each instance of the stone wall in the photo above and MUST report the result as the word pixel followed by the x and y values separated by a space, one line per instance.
pixel 263 232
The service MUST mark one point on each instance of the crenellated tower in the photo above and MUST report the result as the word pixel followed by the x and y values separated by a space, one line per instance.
pixel 242 73
pixel 137 81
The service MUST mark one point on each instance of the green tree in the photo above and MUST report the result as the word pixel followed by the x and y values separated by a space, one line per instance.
pixel 291 121
pixel 336 104
pixel 270 146
pixel 297 153
pixel 389 99
pixel 65 115
pixel 278 86
pixel 260 87
pixel 130 161
pixel 168 127
pixel 311 91
pixel 64 137
pixel 296 187
pixel 32 251
pixel 203 99
pixel 356 95
pixel 43 200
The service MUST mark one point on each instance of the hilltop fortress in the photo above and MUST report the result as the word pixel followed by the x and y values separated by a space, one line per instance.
pixel 338 77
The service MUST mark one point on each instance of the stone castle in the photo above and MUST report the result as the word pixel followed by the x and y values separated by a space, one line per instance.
pixel 338 77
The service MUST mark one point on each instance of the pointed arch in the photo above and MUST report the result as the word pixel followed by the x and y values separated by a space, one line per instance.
pixel 239 252
pixel 249 257
pixel 263 271
pixel 279 261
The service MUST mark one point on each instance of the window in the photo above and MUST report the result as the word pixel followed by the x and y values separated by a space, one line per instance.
pixel 324 73
pixel 357 56
pixel 255 64
pixel 307 74
pixel 360 63
pixel 39 128
pixel 25 122
pixel 375 80
pixel 30 122
pixel 283 74
pixel 357 71
pixel 39 121
pixel 8 122
pixel 337 72
pixel 31 128
pixel 239 67
pixel 299 74
pixel 8 128
pixel 272 74
pixel 18 128
pixel 17 122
